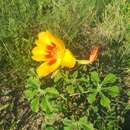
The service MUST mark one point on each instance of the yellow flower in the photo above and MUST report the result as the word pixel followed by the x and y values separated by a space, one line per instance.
pixel 68 59
pixel 51 50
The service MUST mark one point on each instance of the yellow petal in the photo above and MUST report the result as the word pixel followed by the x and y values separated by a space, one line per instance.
pixel 47 38
pixel 38 54
pixel 68 60
pixel 43 39
pixel 58 42
pixel 45 69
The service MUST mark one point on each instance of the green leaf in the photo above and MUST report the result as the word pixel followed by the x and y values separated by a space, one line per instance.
pixel 49 128
pixel 52 91
pixel 95 78
pixel 81 89
pixel 95 109
pixel 70 89
pixel 33 83
pixel 75 74
pixel 84 123
pixel 128 26
pixel 45 105
pixel 113 91
pixel 128 93
pixel 91 98
pixel 57 75
pixel 68 128
pixel 88 126
pixel 105 101
pixel 127 107
pixel 110 78
pixel 67 121
pixel 46 126
pixel 69 124
pixel 35 104
pixel 30 93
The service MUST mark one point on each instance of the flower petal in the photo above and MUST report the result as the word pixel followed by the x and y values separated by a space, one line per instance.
pixel 38 54
pixel 68 60
pixel 43 39
pixel 58 42
pixel 46 40
pixel 93 54
pixel 45 68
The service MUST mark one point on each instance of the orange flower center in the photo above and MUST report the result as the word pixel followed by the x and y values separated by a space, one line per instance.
pixel 51 53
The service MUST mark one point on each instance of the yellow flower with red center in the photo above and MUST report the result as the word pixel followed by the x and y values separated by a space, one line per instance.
pixel 51 51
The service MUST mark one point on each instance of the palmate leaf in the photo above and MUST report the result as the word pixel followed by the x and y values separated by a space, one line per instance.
pixel 68 121
pixel 110 78
pixel 95 78
pixel 91 98
pixel 46 105
pixel 35 104
pixel 33 83
pixel 128 93
pixel 82 123
pixel 105 101
pixel 70 89
pixel 81 89
pixel 30 93
pixel 88 126
pixel 113 91
pixel 48 128
pixel 69 124
pixel 57 75
pixel 52 91
pixel 68 128
pixel 85 124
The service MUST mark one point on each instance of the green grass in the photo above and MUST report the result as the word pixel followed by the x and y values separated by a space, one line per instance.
pixel 82 24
